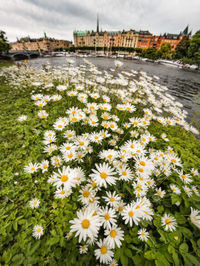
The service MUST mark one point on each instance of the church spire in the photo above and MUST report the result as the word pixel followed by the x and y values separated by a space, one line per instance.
pixel 97 22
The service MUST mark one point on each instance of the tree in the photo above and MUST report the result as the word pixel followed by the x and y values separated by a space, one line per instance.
pixel 165 51
pixel 150 53
pixel 4 46
pixel 194 48
pixel 182 48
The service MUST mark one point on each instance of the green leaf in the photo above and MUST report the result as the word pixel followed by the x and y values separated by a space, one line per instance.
pixel 175 258
pixel 180 218
pixel 150 254
pixel 191 260
pixel 171 249
pixel 34 248
pixel 18 259
pixel 128 252
pixel 175 198
pixel 123 259
pixel 128 239
pixel 186 232
pixel 183 248
pixel 198 242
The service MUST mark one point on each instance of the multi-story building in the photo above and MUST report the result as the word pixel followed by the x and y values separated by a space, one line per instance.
pixel 173 39
pixel 44 44
pixel 131 38
pixel 144 39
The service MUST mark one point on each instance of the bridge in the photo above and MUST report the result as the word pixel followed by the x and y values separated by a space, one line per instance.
pixel 21 55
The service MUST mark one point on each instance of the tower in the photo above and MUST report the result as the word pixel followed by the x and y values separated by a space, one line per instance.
pixel 97 22
pixel 185 32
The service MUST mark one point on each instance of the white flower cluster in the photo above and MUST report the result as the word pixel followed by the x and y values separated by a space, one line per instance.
pixel 105 154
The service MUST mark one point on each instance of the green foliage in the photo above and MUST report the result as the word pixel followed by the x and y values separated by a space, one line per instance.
pixel 194 48
pixel 21 144
pixel 181 50
pixel 4 46
pixel 165 51
pixel 150 53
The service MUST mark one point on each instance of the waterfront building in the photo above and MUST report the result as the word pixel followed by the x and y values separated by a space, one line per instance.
pixel 131 38
pixel 44 44
pixel 144 39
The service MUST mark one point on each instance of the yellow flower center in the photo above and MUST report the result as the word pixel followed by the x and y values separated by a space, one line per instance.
pixel 35 203
pixel 81 143
pixel 68 148
pixel 173 160
pixel 107 216
pixel 70 155
pixel 183 176
pixel 33 168
pixel 131 213
pixel 103 250
pixel 38 230
pixel 124 173
pixel 141 170
pixel 45 166
pixel 94 184
pixel 143 234
pixel 64 178
pixel 168 221
pixel 60 126
pixel 142 163
pixel 113 233
pixel 120 208
pixel 86 194
pixel 103 175
pixel 112 199
pixel 85 223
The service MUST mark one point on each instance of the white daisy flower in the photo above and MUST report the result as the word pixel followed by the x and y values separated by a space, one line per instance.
pixel 104 175
pixel 22 118
pixel 83 249
pixel 103 253
pixel 108 217
pixel 115 236
pixel 34 203
pixel 31 168
pixel 169 222
pixel 195 217
pixel 112 199
pixel 37 231
pixel 86 225
pixel 143 234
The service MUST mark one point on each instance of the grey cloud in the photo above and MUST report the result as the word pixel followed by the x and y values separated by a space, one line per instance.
pixel 60 17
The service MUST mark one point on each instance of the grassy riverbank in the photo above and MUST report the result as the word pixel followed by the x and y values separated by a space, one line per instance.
pixel 22 143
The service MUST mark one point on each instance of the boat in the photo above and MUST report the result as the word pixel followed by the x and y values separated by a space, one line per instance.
pixel 59 54
pixel 169 63
pixel 135 57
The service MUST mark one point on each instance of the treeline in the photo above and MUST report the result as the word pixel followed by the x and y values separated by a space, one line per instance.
pixel 151 53
pixel 188 50
pixel 92 48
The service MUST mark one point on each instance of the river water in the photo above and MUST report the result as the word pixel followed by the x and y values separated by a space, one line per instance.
pixel 183 84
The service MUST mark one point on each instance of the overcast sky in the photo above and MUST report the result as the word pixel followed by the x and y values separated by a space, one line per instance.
pixel 58 18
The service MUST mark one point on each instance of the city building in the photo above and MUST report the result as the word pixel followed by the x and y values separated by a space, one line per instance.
pixel 44 44
pixel 144 39
pixel 130 38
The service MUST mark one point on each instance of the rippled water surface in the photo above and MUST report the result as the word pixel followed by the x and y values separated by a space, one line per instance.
pixel 184 85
